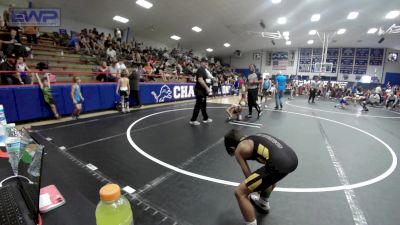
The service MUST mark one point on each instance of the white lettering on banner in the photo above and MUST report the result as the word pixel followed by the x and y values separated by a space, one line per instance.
pixel 177 92
pixel 183 92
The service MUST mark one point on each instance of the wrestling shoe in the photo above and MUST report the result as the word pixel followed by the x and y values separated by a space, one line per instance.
pixel 261 205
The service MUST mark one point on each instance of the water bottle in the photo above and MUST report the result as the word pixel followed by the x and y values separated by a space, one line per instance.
pixel 3 120
pixel 113 208
pixel 13 145
pixel 34 168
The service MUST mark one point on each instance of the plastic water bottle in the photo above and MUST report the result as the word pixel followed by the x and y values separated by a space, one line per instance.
pixel 34 168
pixel 113 208
pixel 13 146
pixel 3 120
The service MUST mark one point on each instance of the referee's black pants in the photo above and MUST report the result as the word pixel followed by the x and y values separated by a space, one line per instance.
pixel 252 100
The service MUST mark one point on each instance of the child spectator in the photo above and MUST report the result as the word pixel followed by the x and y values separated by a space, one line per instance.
pixel 77 97
pixel 48 97
pixel 22 70
pixel 123 89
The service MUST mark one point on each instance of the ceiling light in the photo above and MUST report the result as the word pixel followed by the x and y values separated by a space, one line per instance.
pixel 196 29
pixel 372 30
pixel 209 49
pixel 282 20
pixel 227 45
pixel 175 37
pixel 310 42
pixel 276 1
pixel 120 19
pixel 392 14
pixel 288 42
pixel 352 15
pixel 312 32
pixel 144 4
pixel 315 17
pixel 341 31
pixel 285 33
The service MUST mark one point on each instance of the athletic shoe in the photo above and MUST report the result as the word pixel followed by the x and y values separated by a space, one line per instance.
pixel 276 108
pixel 128 109
pixel 194 123
pixel 248 116
pixel 261 204
pixel 208 121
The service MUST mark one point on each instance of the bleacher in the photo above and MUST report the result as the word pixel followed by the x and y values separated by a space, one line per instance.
pixel 60 58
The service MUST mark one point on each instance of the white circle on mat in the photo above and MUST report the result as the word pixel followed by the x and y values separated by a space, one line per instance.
pixel 344 113
pixel 281 189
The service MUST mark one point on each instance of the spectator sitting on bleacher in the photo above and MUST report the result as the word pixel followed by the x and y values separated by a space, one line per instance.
pixel 23 71
pixel 136 57
pixel 122 66
pixel 31 32
pixel 9 78
pixel 74 42
pixel 12 44
pixel 148 69
pixel 103 69
pixel 111 53
pixel 114 71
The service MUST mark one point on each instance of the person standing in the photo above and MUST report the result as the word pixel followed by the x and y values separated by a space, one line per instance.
pixel 201 91
pixel 134 79
pixel 313 90
pixel 77 97
pixel 280 88
pixel 265 90
pixel 252 91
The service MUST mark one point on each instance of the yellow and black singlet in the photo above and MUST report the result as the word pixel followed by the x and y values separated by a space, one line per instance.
pixel 273 152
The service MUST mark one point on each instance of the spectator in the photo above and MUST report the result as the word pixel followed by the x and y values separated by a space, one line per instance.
pixel 111 53
pixel 118 34
pixel 102 72
pixel 12 44
pixel 44 84
pixel 134 79
pixel 74 42
pixel 122 66
pixel 31 32
pixel 148 69
pixel 136 57
pixel 6 15
pixel 23 71
pixel 280 88
pixel 114 71
pixel 9 78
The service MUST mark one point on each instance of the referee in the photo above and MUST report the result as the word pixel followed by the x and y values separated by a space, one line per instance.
pixel 252 91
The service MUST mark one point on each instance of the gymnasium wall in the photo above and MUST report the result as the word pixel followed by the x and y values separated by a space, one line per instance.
pixel 264 62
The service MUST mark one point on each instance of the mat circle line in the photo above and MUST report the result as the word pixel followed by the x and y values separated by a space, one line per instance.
pixel 343 113
pixel 384 175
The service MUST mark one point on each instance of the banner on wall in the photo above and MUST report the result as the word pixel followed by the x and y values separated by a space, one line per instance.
pixel 34 17
pixel 158 93
pixel 361 61
pixel 347 60
pixel 305 58
pixel 376 56
pixel 280 60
